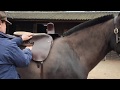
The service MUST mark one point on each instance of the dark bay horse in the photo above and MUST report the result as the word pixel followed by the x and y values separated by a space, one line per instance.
pixel 80 49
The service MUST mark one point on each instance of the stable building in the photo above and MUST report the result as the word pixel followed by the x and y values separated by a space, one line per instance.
pixel 36 21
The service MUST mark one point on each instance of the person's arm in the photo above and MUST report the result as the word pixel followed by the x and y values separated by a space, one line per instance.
pixel 18 40
pixel 18 57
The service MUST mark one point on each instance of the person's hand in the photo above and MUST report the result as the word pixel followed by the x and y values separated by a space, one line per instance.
pixel 27 36
pixel 29 47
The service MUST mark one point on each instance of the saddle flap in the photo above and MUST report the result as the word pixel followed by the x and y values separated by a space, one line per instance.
pixel 41 47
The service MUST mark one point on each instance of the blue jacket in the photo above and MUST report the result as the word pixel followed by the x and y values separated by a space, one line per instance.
pixel 11 56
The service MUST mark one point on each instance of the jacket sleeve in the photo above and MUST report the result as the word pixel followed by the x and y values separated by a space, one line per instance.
pixel 18 40
pixel 20 58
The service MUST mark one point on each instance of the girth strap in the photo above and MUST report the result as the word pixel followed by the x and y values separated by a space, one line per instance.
pixel 40 63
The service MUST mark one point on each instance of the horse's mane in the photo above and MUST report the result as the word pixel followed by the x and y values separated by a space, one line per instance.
pixel 88 24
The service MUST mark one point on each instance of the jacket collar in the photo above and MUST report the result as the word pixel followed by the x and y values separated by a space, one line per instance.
pixel 3 35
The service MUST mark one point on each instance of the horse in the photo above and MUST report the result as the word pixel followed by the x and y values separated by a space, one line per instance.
pixel 78 51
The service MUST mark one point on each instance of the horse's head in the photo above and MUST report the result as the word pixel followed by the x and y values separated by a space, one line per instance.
pixel 115 40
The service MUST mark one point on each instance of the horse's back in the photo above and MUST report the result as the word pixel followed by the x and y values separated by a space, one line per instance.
pixel 61 63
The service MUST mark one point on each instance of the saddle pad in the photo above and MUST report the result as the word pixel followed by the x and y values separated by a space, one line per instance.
pixel 41 47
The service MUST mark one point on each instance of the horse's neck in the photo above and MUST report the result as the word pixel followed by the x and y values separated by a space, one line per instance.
pixel 91 44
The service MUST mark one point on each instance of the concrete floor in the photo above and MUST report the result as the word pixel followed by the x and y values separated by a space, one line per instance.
pixel 108 69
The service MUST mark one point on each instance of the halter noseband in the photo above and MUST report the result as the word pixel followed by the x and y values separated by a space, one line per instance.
pixel 116 31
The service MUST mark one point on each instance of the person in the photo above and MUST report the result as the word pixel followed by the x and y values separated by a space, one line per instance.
pixel 11 56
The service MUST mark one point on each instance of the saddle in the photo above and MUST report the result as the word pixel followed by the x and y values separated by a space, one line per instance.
pixel 41 47
pixel 41 43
